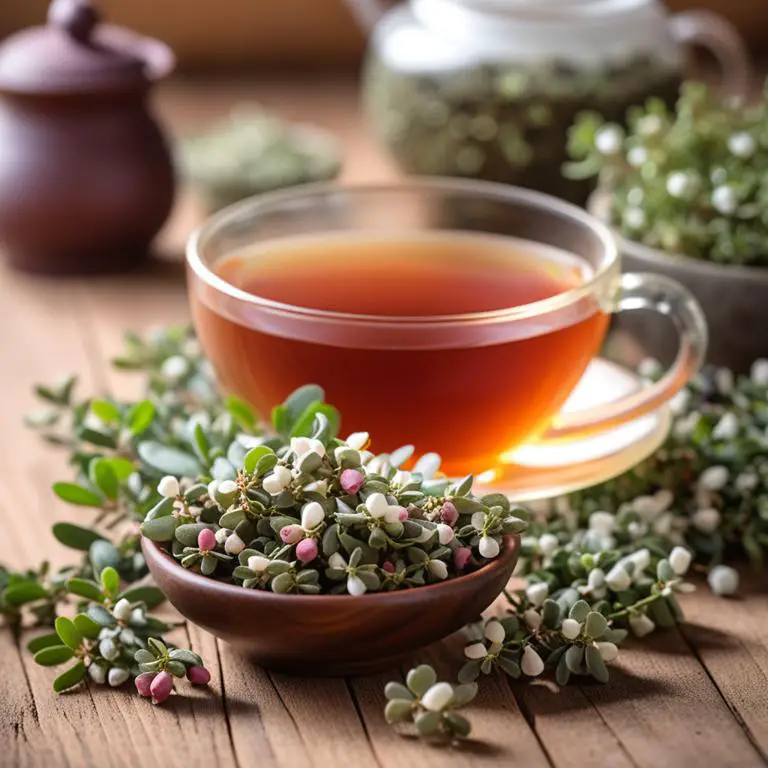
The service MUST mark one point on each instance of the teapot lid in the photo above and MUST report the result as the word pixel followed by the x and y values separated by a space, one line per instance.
pixel 74 53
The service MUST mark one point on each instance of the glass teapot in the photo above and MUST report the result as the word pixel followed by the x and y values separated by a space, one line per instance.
pixel 489 88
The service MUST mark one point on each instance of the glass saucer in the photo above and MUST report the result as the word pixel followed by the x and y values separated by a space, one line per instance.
pixel 543 470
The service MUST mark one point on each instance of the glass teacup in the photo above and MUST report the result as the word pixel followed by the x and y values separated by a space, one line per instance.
pixel 407 304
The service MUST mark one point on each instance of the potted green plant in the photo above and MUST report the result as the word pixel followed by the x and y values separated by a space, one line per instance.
pixel 686 191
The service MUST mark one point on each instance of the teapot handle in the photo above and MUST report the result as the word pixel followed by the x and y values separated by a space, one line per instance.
pixel 368 13
pixel 719 36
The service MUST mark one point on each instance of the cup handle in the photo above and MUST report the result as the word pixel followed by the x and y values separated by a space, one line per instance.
pixel 719 36
pixel 668 297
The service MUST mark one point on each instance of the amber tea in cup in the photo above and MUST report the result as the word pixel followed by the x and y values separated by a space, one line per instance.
pixel 458 316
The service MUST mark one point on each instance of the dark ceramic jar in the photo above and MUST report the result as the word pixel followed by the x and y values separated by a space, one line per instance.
pixel 86 179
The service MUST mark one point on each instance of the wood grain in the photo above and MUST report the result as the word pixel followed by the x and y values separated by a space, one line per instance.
pixel 690 698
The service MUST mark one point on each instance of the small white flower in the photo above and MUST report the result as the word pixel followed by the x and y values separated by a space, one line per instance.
pixel 234 545
pixel 227 488
pixel 304 445
pixel 602 522
pixel 571 629
pixel 278 481
pixel 706 520
pixel 258 563
pixel 746 481
pixel 358 440
pixel 401 478
pixel 377 505
pixel 637 156
pixel 649 125
pixel 725 199
pixel 222 535
pixel 127 637
pixel 532 618
pixel 444 533
pixel 713 478
pixel 680 560
pixel 425 535
pixel 108 649
pixel 437 697
pixel 122 610
pixel 365 457
pixel 97 674
pixel 647 507
pixel 679 403
pixel 640 624
pixel 548 543
pixel 478 520
pixel 742 145
pixel 138 619
pixel 117 676
pixel 438 569
pixel 168 487
pixel 640 559
pixel 213 486
pixel 532 665
pixel 312 515
pixel 608 651
pixel 537 593
pixel 727 428
pixel 723 580
pixel 476 651
pixel 494 632
pixel 596 582
pixel 636 529
pixel 634 218
pixel 680 184
pixel 759 371
pixel 489 547
pixel 337 561
pixel 618 579
pixel 356 586
pixel 174 368
pixel 318 486
pixel 609 140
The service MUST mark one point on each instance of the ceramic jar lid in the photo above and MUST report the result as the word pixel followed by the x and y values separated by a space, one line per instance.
pixel 74 53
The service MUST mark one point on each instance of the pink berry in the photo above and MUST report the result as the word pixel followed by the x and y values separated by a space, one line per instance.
pixel 290 534
pixel 402 515
pixel 388 566
pixel 198 676
pixel 206 539
pixel 461 556
pixel 351 480
pixel 144 682
pixel 449 514
pixel 161 687
pixel 306 550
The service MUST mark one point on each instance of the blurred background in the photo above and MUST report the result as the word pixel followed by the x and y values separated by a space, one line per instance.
pixel 237 35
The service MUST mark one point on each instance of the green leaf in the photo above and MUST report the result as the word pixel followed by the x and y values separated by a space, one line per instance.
pixel 459 724
pixel 302 398
pixel 122 468
pixel 101 615
pixel 464 486
pixel 140 417
pixel 53 655
pixel 201 442
pixel 110 581
pixel 70 678
pixel 394 690
pixel 86 588
pixel 281 420
pixel 73 493
pixel 150 596
pixel 596 624
pixel 108 412
pixel 103 477
pixel 68 632
pixel 186 657
pixel 420 679
pixel 241 412
pixel 44 641
pixel 579 611
pixel 251 459
pixel 595 664
pixel 103 554
pixel 160 529
pixel 163 508
pixel 427 723
pixel 86 626
pixel 75 536
pixel 398 711
pixel 168 460
pixel 97 437
pixel 304 426
pixel 563 673
pixel 574 658
pixel 22 592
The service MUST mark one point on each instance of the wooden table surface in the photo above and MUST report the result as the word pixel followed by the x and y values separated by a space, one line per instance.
pixel 694 696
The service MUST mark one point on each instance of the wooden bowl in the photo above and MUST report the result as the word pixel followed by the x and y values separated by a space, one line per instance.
pixel 330 635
